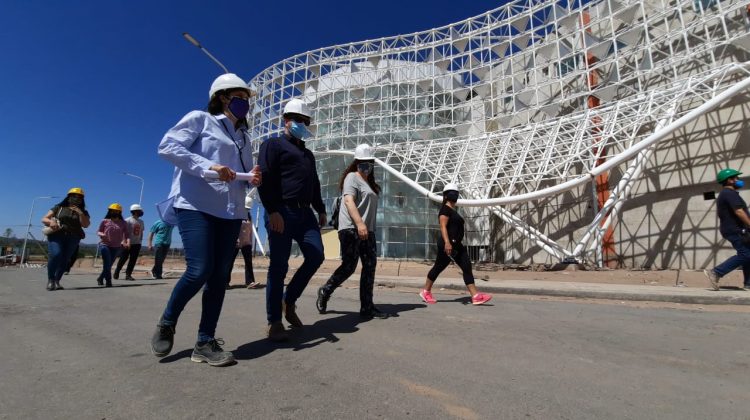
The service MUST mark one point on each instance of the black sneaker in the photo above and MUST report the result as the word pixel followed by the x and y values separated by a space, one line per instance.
pixel 322 302
pixel 108 283
pixel 129 277
pixel 50 285
pixel 58 287
pixel 163 339
pixel 116 276
pixel 212 353
pixel 99 281
pixel 373 313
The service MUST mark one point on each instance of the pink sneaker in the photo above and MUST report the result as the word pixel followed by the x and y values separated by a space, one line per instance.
pixel 480 298
pixel 426 296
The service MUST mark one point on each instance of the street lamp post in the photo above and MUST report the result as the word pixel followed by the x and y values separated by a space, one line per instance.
pixel 140 199
pixel 195 42
pixel 28 227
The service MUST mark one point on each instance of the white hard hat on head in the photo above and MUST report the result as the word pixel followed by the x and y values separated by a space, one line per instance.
pixel 228 81
pixel 296 106
pixel 364 152
pixel 136 207
pixel 451 186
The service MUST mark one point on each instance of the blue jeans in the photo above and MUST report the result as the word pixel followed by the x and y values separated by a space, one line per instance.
pixel 209 244
pixel 742 259
pixel 60 248
pixel 301 226
pixel 108 253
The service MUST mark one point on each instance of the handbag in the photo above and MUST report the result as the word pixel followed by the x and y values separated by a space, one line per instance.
pixel 48 230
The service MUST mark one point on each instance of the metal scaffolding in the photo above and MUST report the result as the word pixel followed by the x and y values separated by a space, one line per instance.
pixel 528 101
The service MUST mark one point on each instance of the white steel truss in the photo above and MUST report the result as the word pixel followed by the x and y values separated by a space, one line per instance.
pixel 527 101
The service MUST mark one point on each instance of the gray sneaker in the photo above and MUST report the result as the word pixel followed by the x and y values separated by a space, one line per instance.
pixel 212 353
pixel 162 340
pixel 713 278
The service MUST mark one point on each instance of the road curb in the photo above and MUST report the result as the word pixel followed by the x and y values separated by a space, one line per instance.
pixel 590 294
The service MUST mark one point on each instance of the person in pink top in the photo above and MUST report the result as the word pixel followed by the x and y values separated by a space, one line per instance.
pixel 113 236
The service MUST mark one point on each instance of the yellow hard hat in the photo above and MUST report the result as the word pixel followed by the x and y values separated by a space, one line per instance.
pixel 76 190
pixel 115 206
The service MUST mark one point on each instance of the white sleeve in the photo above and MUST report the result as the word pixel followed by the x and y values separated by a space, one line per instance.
pixel 175 146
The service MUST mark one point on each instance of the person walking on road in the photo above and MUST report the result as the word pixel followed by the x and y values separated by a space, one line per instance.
pixel 135 234
pixel 113 237
pixel 204 210
pixel 66 220
pixel 159 241
pixel 290 187
pixel 734 226
pixel 451 249
pixel 245 245
pixel 357 232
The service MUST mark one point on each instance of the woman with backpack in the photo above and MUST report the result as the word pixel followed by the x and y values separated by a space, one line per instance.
pixel 450 248
pixel 356 219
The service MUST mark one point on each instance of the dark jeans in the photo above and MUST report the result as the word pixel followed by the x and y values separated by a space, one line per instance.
pixel 108 253
pixel 742 259
pixel 247 256
pixel 130 256
pixel 60 248
pixel 442 261
pixel 353 249
pixel 301 226
pixel 209 244
pixel 160 254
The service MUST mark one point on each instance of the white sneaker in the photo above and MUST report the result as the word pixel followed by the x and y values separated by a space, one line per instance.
pixel 713 278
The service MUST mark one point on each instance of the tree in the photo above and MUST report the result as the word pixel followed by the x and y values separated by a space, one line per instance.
pixel 9 233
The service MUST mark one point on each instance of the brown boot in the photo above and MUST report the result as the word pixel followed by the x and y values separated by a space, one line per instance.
pixel 276 332
pixel 290 313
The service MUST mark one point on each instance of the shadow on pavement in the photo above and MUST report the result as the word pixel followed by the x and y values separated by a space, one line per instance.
pixel 465 300
pixel 113 286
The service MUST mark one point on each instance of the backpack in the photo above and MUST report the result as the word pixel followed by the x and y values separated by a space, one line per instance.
pixel 335 213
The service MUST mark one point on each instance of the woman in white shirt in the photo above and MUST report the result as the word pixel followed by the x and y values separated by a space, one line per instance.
pixel 207 212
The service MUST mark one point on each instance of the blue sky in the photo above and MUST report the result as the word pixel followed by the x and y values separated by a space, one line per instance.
pixel 89 88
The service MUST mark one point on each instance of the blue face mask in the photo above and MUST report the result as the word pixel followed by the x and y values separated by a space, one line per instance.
pixel 452 196
pixel 365 168
pixel 298 131
pixel 739 184
pixel 239 107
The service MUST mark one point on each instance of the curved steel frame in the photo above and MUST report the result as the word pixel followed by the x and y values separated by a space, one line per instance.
pixel 501 103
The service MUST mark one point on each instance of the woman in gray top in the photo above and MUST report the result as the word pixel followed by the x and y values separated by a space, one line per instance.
pixel 357 232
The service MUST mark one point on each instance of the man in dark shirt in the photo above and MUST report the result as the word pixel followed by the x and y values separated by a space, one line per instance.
pixel 734 221
pixel 290 186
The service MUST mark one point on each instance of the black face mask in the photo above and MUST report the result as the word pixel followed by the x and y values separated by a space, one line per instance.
pixel 75 201
pixel 451 196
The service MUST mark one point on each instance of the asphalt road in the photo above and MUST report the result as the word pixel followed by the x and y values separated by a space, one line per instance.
pixel 83 353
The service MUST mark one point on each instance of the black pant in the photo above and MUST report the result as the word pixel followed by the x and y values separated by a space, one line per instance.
pixel 73 259
pixel 160 254
pixel 247 255
pixel 462 259
pixel 353 249
pixel 130 256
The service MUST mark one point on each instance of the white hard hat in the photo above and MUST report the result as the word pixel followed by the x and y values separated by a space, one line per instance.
pixel 228 81
pixel 248 202
pixel 136 207
pixel 450 187
pixel 364 152
pixel 296 106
